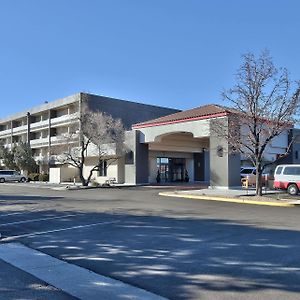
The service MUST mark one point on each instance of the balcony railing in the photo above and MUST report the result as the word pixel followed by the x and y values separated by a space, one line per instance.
pixel 64 138
pixel 40 142
pixel 65 119
pixel 20 129
pixel 40 124
pixel 5 132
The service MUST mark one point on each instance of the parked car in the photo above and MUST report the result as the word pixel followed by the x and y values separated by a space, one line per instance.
pixel 287 177
pixel 245 171
pixel 11 175
pixel 250 173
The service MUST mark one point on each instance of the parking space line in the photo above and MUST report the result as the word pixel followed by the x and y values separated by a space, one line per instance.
pixel 36 220
pixel 14 237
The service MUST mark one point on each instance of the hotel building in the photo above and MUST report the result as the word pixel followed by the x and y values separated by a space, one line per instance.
pixel 158 138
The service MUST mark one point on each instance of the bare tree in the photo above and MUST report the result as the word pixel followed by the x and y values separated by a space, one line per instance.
pixel 264 104
pixel 100 136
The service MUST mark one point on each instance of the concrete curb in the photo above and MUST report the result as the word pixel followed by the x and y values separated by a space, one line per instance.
pixel 70 278
pixel 224 199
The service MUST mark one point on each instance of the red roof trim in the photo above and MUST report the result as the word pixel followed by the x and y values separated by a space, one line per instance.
pixel 222 114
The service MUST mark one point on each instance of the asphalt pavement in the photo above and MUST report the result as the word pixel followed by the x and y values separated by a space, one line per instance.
pixel 175 248
pixel 18 284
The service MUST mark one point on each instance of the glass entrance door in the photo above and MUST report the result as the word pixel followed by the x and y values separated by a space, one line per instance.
pixel 171 169
pixel 163 168
pixel 177 166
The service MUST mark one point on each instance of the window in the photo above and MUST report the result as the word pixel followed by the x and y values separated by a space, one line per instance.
pixel 278 171
pixel 248 171
pixel 291 171
pixel 163 160
pixel 296 154
pixel 129 158
pixel 5 172
pixel 102 168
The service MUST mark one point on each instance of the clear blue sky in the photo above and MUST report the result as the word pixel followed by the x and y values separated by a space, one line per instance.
pixel 177 53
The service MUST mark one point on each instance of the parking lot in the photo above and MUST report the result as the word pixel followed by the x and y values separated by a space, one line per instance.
pixel 175 248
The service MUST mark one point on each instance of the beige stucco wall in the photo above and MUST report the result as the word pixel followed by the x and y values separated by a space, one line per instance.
pixel 62 174
pixel 200 128
pixel 115 170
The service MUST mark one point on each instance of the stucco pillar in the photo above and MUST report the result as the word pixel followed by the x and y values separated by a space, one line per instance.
pixel 136 160
pixel 224 165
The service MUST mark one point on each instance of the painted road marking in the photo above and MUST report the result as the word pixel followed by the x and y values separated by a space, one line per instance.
pixel 71 279
pixel 14 237
pixel 36 220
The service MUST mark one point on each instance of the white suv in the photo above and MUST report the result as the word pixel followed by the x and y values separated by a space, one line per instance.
pixel 287 177
pixel 11 175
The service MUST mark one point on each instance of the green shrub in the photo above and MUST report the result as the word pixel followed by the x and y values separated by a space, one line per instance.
pixel 33 177
pixel 43 177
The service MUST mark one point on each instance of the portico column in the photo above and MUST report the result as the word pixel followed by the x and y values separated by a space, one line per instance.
pixel 137 159
pixel 224 165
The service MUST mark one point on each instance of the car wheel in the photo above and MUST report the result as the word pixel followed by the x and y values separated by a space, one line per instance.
pixel 23 179
pixel 293 189
pixel 2 180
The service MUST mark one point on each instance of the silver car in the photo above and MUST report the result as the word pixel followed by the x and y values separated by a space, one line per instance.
pixel 11 175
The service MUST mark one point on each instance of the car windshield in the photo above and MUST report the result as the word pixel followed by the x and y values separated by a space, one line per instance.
pixel 247 171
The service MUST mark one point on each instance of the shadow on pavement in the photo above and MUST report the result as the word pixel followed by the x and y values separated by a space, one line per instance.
pixel 26 197
pixel 17 284
pixel 175 257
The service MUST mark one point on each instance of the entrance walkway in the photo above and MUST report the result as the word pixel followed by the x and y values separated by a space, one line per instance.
pixel 180 185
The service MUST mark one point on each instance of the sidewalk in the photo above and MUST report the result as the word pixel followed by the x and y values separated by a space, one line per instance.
pixel 17 284
pixel 241 196
pixel 63 185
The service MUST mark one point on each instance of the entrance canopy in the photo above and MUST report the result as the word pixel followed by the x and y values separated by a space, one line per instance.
pixel 179 142
pixel 183 144
pixel 195 121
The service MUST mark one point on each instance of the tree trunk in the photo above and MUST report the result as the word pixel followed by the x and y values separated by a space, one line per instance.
pixel 90 176
pixel 82 179
pixel 258 186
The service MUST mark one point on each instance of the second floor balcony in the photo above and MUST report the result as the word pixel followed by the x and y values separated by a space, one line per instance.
pixel 40 124
pixel 39 142
pixel 5 132
pixel 20 129
pixel 64 139
pixel 65 119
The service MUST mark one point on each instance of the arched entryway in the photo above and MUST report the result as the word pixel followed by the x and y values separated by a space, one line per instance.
pixel 178 157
